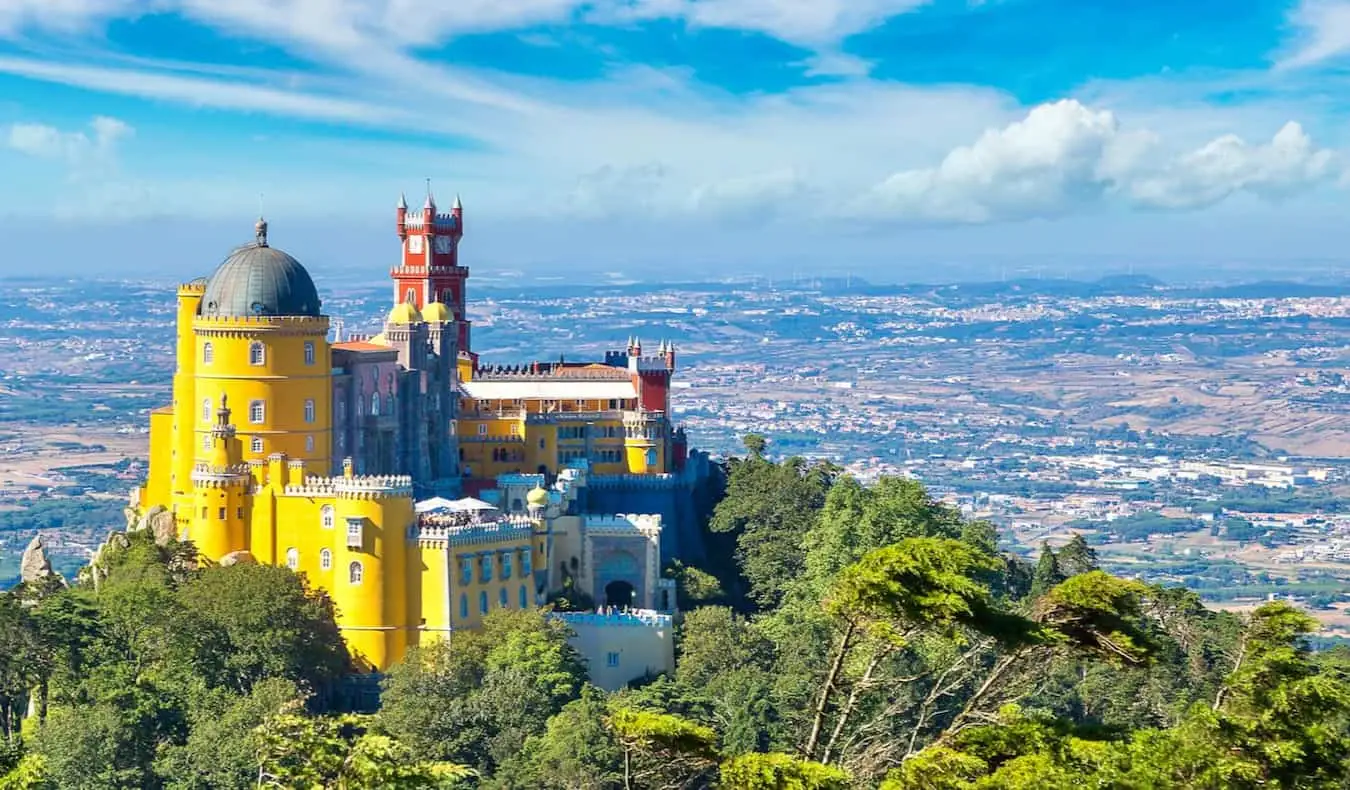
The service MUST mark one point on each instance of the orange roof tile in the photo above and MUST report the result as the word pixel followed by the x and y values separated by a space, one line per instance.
pixel 361 345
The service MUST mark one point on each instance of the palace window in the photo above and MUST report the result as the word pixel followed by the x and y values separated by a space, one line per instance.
pixel 447 296
pixel 326 516
pixel 326 560
pixel 515 429
pixel 389 404
pixel 524 597
pixel 482 429
pixel 485 568
pixel 410 297
pixel 355 535
pixel 206 441
pixel 206 410
pixel 525 562
pixel 292 559
pixel 256 354
pixel 581 405
pixel 482 602
pixel 355 572
pixel 309 410
pixel 375 404
pixel 256 445
pixel 651 456
pixel 309 444
pixel 309 352
pixel 221 516
pixel 464 606
pixel 502 597
pixel 506 565
pixel 466 570
pixel 257 412
pixel 208 353
pixel 611 659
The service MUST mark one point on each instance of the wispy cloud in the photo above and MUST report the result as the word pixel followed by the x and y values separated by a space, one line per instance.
pixel 76 149
pixel 1323 33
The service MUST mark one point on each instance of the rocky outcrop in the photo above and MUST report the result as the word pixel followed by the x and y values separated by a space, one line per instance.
pixel 157 520
pixel 238 558
pixel 35 568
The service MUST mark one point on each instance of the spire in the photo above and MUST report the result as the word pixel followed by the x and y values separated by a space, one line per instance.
pixel 260 231
pixel 431 201
pixel 457 205
pixel 402 201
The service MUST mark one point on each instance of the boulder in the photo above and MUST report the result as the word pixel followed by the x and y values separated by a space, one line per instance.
pixel 162 525
pixel 35 566
pixel 238 558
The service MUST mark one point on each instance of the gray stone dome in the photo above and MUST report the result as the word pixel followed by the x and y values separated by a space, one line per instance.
pixel 259 280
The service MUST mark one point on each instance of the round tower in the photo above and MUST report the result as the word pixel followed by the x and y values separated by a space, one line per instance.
pixel 220 489
pixel 260 340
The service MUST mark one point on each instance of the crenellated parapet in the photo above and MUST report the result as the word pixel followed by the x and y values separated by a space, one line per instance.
pixel 657 481
pixel 354 487
pixel 642 618
pixel 623 523
pixel 429 534
pixel 217 476
pixel 243 326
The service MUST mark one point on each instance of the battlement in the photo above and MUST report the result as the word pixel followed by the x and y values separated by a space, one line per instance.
pixel 445 528
pixel 658 481
pixel 624 522
pixel 210 475
pixel 197 286
pixel 358 487
pixel 315 324
pixel 420 271
pixel 520 479
pixel 441 221
pixel 647 364
pixel 641 618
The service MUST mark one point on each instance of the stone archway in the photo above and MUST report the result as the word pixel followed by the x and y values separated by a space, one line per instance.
pixel 618 579
pixel 620 593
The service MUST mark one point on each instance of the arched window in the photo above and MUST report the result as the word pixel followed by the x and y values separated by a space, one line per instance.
pixel 326 516
pixel 389 403
pixel 410 297
pixel 524 597
pixel 651 456
pixel 309 410
pixel 309 444
pixel 482 602
pixel 292 559
pixel 208 353
pixel 257 444
pixel 256 355
pixel 206 410
pixel 326 559
pixel 257 412
pixel 309 352
pixel 463 606
pixel 502 597
pixel 375 404
pixel 355 572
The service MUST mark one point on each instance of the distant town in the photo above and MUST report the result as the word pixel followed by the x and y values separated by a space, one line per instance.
pixel 1195 435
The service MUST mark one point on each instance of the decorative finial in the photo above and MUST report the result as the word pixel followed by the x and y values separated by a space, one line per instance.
pixel 260 230
pixel 458 205
pixel 431 201
pixel 402 201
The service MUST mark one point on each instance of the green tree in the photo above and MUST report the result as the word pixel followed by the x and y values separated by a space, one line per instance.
pixel 779 771
pixel 661 750
pixel 342 753
pixel 219 751
pixel 1048 573
pixel 577 749
pixel 1077 557
pixel 476 697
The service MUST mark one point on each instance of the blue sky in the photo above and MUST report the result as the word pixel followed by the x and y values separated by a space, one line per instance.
pixel 893 138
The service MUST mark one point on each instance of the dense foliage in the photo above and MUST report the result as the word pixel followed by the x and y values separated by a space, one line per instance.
pixel 849 636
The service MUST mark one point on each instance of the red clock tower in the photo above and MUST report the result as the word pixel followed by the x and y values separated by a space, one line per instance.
pixel 429 269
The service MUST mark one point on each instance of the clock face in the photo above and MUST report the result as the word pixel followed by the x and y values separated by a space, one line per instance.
pixel 444 244
pixel 414 244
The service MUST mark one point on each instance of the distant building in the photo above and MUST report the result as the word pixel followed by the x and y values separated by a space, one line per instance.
pixel 283 447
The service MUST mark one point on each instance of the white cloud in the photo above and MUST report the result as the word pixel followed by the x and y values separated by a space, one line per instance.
pixel 1063 157
pixel 1288 164
pixel 1324 32
pixel 77 149
pixel 61 16
pixel 804 22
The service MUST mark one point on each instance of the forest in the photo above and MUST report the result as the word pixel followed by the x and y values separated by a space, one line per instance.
pixel 840 636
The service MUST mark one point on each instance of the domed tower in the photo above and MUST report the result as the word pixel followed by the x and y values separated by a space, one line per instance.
pixel 260 340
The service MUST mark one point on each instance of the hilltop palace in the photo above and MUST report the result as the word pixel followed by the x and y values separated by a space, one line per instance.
pixel 418 486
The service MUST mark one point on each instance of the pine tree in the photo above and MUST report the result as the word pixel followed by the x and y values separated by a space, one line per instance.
pixel 1077 557
pixel 1048 572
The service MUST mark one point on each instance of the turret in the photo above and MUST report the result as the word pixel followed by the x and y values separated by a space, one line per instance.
pixel 429 210
pixel 457 211
pixel 401 215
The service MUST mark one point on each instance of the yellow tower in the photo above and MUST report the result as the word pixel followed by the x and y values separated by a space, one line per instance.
pixel 259 340
pixel 221 489
pixel 183 453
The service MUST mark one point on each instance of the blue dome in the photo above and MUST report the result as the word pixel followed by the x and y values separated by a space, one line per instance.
pixel 259 280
